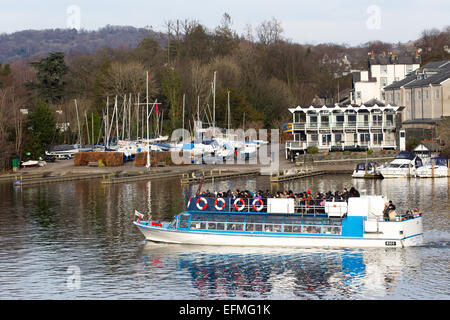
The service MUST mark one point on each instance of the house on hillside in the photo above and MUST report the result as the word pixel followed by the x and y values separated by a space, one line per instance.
pixel 382 71
pixel 425 94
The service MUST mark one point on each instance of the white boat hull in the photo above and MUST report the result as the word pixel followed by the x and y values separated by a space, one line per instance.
pixel 427 172
pixel 411 229
pixel 397 173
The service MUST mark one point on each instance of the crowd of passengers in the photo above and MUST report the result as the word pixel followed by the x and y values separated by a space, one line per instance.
pixel 308 198
pixel 305 197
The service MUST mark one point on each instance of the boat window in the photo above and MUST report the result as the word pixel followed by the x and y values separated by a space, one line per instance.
pixel 255 219
pixel 291 228
pixel 236 218
pixel 292 220
pixel 312 221
pixel 184 220
pixel 331 230
pixel 217 217
pixel 332 222
pixel 199 217
pixel 235 226
pixel 272 228
pixel 197 225
pixel 212 226
pixel 249 227
pixel 311 229
pixel 274 219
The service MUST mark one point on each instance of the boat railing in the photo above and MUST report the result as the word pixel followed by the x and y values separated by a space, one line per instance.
pixel 254 205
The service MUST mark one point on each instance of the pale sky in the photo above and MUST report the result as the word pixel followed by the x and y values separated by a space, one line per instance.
pixel 346 21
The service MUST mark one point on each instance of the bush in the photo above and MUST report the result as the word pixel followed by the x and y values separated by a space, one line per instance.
pixel 370 151
pixel 411 144
pixel 312 150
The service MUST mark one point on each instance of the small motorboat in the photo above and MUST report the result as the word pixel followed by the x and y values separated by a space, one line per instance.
pixel 436 167
pixel 367 170
pixel 32 163
pixel 404 165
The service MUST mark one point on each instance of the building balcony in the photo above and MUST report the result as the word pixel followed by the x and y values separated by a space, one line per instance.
pixel 341 125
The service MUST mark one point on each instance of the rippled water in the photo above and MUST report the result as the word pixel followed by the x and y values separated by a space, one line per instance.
pixel 48 233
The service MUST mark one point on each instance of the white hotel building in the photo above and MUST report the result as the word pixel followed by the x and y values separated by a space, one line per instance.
pixel 343 127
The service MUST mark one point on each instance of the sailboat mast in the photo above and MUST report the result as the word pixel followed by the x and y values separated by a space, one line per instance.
pixel 137 118
pixel 107 123
pixel 184 101
pixel 148 141
pixel 78 120
pixel 214 100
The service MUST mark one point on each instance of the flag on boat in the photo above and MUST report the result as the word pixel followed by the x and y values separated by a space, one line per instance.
pixel 138 214
pixel 157 111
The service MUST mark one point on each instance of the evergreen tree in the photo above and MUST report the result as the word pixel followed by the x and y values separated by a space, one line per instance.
pixel 50 73
pixel 42 127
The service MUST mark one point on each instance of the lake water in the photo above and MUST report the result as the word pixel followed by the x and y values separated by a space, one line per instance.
pixel 76 241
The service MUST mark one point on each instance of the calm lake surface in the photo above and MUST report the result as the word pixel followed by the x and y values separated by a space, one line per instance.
pixel 75 240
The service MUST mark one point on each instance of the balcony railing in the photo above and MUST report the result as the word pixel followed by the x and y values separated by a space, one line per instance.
pixel 343 125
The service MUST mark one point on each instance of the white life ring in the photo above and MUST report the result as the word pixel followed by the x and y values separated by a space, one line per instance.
pixel 223 204
pixel 198 203
pixel 260 207
pixel 240 208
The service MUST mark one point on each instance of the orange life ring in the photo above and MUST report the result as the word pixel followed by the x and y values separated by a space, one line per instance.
pixel 198 203
pixel 260 207
pixel 223 204
pixel 242 204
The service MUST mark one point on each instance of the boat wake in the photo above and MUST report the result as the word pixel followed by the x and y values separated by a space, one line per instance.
pixel 436 239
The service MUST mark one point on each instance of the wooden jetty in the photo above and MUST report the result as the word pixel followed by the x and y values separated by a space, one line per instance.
pixel 217 174
pixel 112 179
pixel 33 180
pixel 295 173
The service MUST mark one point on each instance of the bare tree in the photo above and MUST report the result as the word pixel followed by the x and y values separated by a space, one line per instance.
pixel 125 78
pixel 269 31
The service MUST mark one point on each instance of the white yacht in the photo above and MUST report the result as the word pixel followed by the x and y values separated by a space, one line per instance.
pixel 436 167
pixel 405 164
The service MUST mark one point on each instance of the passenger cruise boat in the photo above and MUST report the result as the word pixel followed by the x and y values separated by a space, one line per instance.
pixel 285 223
pixel 404 165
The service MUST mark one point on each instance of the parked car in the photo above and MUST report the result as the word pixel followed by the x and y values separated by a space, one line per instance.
pixel 48 158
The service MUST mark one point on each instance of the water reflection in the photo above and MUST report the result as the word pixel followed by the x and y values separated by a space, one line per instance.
pixel 239 272
pixel 44 229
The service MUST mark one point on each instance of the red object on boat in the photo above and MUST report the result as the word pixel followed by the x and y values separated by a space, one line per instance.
pixel 156 224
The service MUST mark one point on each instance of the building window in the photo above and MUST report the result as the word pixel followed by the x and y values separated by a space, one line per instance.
pixel 314 137
pixel 378 138
pixel 419 95
pixel 426 94
pixel 364 138
pixel 436 94
pixel 409 68
pixel 338 138
pixel 397 96
pixel 383 69
pixel 326 139
pixel 358 94
pixel 377 119
pixel 383 81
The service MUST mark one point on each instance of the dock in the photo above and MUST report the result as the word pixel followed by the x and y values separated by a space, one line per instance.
pixel 112 179
pixel 295 173
pixel 217 174
pixel 29 180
